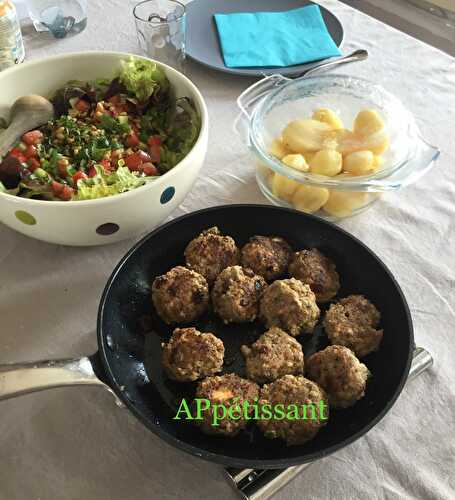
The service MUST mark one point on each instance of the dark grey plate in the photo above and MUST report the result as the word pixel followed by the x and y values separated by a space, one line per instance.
pixel 202 38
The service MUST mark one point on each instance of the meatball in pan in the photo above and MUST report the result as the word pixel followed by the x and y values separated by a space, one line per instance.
pixel 190 355
pixel 272 356
pixel 210 253
pixel 289 305
pixel 337 370
pixel 352 322
pixel 267 256
pixel 236 294
pixel 226 390
pixel 298 391
pixel 316 270
pixel 180 295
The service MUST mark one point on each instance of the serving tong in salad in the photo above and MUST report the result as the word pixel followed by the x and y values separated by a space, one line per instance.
pixel 27 113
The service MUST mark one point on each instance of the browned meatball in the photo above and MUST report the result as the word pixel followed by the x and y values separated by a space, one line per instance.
pixel 316 270
pixel 210 253
pixel 267 256
pixel 190 355
pixel 230 391
pixel 180 295
pixel 236 294
pixel 273 355
pixel 337 370
pixel 291 306
pixel 352 322
pixel 298 391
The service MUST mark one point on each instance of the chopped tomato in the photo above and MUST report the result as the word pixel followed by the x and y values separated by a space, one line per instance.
pixel 155 153
pixel 145 157
pixel 132 140
pixel 33 164
pixel 92 171
pixel 33 137
pixel 57 187
pixel 79 175
pixel 149 169
pixel 62 167
pixel 30 152
pixel 82 106
pixel 106 164
pixel 66 193
pixel 134 160
pixel 154 140
pixel 62 191
pixel 17 153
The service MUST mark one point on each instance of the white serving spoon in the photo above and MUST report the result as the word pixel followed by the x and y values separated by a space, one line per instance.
pixel 27 113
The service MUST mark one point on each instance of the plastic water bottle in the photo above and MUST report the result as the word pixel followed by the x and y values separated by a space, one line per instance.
pixel 11 43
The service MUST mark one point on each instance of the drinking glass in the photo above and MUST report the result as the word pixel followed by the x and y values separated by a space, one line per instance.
pixel 59 17
pixel 161 31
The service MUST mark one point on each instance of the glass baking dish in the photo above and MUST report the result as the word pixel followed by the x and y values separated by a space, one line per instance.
pixel 273 102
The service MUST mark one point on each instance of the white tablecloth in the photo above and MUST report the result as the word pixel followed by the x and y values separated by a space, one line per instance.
pixel 74 444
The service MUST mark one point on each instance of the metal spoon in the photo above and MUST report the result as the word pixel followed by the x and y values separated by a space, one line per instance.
pixel 27 113
pixel 357 55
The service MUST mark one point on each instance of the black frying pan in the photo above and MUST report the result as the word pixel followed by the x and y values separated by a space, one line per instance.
pixel 130 334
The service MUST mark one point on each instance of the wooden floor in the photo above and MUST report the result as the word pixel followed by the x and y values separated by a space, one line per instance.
pixel 422 19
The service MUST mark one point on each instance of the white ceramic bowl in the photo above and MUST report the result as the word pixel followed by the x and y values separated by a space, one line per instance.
pixel 105 220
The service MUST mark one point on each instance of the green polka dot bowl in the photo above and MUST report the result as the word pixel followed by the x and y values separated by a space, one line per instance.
pixel 104 220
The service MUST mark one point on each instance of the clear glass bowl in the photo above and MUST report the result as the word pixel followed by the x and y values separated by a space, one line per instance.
pixel 270 104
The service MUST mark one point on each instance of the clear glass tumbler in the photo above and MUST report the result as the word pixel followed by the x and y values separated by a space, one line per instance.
pixel 161 31
pixel 59 17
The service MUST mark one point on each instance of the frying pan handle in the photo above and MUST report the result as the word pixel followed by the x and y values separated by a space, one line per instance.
pixel 23 378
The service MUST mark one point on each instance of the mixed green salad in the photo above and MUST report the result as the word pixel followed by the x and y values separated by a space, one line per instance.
pixel 107 137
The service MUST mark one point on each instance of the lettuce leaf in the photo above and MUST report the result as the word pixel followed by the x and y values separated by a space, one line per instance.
pixel 101 86
pixel 103 184
pixel 182 133
pixel 142 78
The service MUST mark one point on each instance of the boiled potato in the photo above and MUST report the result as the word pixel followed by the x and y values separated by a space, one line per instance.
pixel 368 122
pixel 283 188
pixel 359 163
pixel 308 157
pixel 326 162
pixel 310 199
pixel 377 143
pixel 346 142
pixel 296 161
pixel 344 203
pixel 328 116
pixel 343 140
pixel 306 135
pixel 377 162
pixel 277 149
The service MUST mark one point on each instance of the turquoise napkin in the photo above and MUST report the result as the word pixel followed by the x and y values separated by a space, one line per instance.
pixel 274 38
